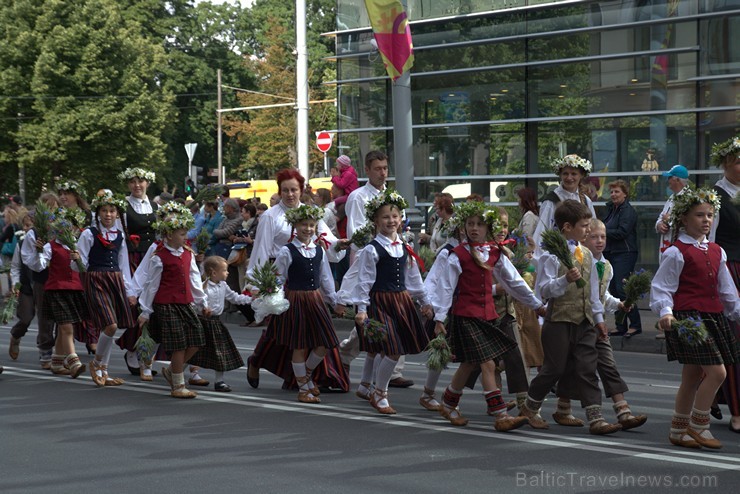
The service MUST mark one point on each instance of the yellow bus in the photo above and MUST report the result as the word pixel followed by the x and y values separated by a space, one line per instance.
pixel 264 189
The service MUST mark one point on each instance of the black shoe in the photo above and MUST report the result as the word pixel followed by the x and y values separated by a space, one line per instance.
pixel 133 370
pixel 253 381
pixel 616 332
pixel 732 429
pixel 222 387
pixel 90 350
pixel 401 382
pixel 716 412
pixel 630 334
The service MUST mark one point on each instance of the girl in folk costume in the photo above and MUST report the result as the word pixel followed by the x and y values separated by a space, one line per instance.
pixel 220 352
pixel 64 301
pixel 170 296
pixel 571 169
pixel 693 281
pixel 388 277
pixel 303 268
pixel 139 219
pixel 107 284
pixel 475 338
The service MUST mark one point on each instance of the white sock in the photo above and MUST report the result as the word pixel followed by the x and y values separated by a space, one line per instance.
pixel 385 370
pixel 367 369
pixel 432 378
pixel 299 370
pixel 178 379
pixel 379 358
pixel 313 360
pixel 219 376
pixel 105 347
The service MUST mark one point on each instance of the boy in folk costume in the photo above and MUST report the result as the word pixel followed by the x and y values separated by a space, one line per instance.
pixel 614 385
pixel 170 296
pixel 574 321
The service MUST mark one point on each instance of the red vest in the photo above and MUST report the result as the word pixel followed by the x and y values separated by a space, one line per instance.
pixel 174 287
pixel 697 285
pixel 61 275
pixel 474 287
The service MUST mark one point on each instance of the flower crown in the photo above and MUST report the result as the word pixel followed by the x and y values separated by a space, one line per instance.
pixel 723 149
pixel 388 196
pixel 689 198
pixel 70 185
pixel 76 216
pixel 448 227
pixel 572 160
pixel 466 210
pixel 172 208
pixel 107 198
pixel 130 173
pixel 174 222
pixel 304 212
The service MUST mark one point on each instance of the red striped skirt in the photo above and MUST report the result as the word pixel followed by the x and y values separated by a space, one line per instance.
pixel 405 334
pixel 306 324
pixel 106 298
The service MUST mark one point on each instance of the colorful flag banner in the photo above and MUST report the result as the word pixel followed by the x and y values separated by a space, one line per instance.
pixel 393 35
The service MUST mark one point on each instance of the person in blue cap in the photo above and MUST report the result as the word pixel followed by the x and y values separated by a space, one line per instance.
pixel 678 179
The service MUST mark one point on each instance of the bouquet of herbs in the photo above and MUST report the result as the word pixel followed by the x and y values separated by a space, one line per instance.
pixel 145 345
pixel 66 233
pixel 209 193
pixel 11 305
pixel 42 222
pixel 76 216
pixel 202 240
pixel 349 313
pixel 635 288
pixel 555 243
pixel 375 331
pixel 439 353
pixel 691 330
pixel 271 298
pixel 363 236
pixel 522 257
pixel 427 256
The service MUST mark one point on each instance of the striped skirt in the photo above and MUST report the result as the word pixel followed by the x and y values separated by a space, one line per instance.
pixel 65 306
pixel 106 297
pixel 220 352
pixel 405 334
pixel 306 324
pixel 730 394
pixel 476 341
pixel 176 327
pixel 720 347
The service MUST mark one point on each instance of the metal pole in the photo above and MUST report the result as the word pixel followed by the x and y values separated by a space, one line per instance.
pixel 219 143
pixel 301 88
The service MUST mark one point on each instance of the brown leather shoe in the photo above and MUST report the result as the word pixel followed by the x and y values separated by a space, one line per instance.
pixel 308 397
pixel 198 382
pixel 446 412
pixel 684 443
pixel 567 420
pixel 535 419
pixel 14 348
pixel 183 392
pixel 98 380
pixel 376 397
pixel 704 442
pixel 401 382
pixel 508 423
pixel 633 422
pixel 603 427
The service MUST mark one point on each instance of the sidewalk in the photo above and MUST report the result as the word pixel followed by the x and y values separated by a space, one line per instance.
pixel 642 343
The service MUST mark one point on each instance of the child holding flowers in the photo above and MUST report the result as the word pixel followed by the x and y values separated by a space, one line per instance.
pixel 306 327
pixel 108 288
pixel 693 282
pixel 387 279
pixel 475 338
pixel 170 295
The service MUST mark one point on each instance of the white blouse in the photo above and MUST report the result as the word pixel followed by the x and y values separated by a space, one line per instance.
pixel 547 216
pixel 29 254
pixel 218 292
pixel 273 232
pixel 367 260
pixel 154 277
pixel 85 243
pixel 431 282
pixel 550 285
pixel 503 271
pixel 611 303
pixel 733 191
pixel 665 282
pixel 326 281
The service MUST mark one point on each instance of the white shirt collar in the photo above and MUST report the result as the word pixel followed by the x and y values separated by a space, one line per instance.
pixel 560 191
pixel 687 239
pixel 179 250
pixel 385 241
pixel 372 188
pixel 728 186
pixel 299 244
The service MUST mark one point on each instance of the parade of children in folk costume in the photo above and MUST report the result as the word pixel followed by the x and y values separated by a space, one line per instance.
pixel 90 291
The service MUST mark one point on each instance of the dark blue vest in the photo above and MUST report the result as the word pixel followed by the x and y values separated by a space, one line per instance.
pixel 390 271
pixel 304 273
pixel 141 225
pixel 40 277
pixel 26 275
pixel 101 258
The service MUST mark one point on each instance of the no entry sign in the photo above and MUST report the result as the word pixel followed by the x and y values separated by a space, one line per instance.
pixel 323 141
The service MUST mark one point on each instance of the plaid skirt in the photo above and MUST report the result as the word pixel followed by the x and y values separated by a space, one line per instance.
pixel 106 297
pixel 306 324
pixel 405 334
pixel 220 352
pixel 476 341
pixel 176 327
pixel 65 306
pixel 720 347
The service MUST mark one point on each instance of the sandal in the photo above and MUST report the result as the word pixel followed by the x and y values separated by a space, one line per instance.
pixel 603 427
pixel 379 396
pixel 99 380
pixel 143 374
pixel 365 395
pixel 456 419
pixel 427 400
pixel 314 389
pixel 182 392
pixel 305 395
pixel 567 420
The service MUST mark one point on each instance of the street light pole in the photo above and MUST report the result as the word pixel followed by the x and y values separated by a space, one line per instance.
pixel 219 152
pixel 301 88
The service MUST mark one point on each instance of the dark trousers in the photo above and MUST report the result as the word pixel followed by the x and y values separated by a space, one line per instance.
pixel 572 348
pixel 25 312
pixel 607 369
pixel 45 338
pixel 622 265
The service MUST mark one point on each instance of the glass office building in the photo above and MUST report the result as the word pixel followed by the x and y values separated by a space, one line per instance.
pixel 501 87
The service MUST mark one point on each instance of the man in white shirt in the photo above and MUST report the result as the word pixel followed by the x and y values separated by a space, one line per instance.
pixel 376 170
pixel 678 178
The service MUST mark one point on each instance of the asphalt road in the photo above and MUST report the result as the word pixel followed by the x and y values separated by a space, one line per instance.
pixel 66 436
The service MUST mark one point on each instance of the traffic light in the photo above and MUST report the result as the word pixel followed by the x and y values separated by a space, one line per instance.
pixel 190 189
pixel 198 177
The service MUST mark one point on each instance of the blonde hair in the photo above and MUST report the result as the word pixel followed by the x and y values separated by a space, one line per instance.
pixel 596 223
pixel 210 264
